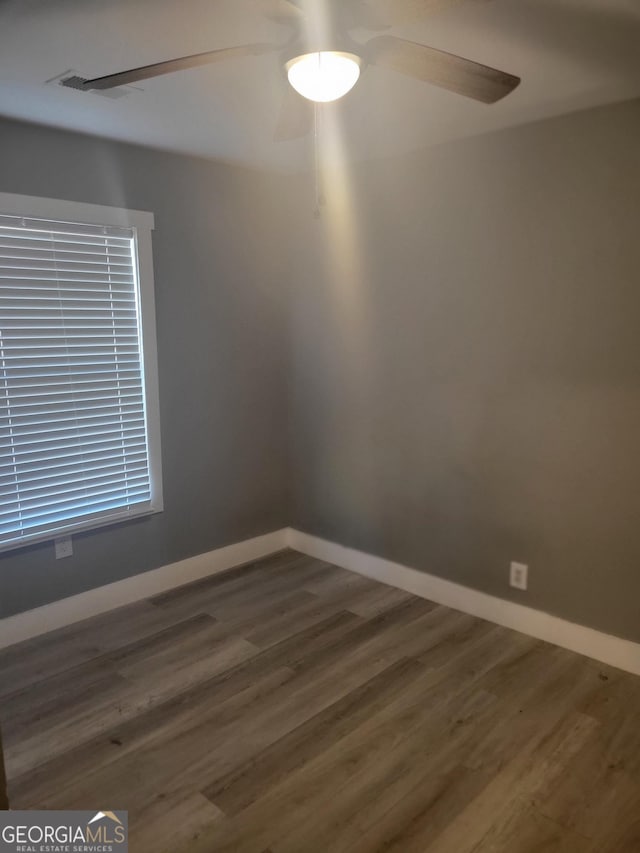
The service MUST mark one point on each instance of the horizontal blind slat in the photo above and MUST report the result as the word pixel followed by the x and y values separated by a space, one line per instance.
pixel 66 289
pixel 70 465
pixel 82 372
pixel 73 241
pixel 66 511
pixel 28 444
pixel 11 431
pixel 74 403
pixel 34 247
pixel 53 228
pixel 96 355
pixel 13 298
pixel 75 493
pixel 71 453
pixel 19 417
pixel 31 483
pixel 31 253
pixel 66 341
pixel 76 427
pixel 71 490
pixel 106 387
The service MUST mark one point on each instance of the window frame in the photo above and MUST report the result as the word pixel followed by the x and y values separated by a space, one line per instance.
pixel 142 222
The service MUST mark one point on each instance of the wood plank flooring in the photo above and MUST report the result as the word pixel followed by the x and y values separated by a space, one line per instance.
pixel 289 706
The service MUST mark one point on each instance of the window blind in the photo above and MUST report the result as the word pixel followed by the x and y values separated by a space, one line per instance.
pixel 73 436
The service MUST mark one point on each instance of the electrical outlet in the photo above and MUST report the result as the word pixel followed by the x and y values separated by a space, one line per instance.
pixel 64 547
pixel 518 575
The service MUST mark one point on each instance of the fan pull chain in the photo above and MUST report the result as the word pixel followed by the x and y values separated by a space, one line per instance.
pixel 320 199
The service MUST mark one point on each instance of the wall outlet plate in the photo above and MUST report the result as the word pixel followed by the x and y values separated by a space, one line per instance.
pixel 64 547
pixel 519 575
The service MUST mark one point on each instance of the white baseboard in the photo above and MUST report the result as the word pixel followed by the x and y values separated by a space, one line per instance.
pixel 22 626
pixel 594 644
pixel 606 648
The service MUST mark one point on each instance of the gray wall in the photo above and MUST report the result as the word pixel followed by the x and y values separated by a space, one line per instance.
pixel 459 359
pixel 221 341
pixel 465 385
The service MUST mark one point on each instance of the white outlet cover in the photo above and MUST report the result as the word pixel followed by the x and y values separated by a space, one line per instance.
pixel 519 575
pixel 64 547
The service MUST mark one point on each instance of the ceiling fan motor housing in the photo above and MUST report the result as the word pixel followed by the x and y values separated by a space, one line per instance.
pixel 337 42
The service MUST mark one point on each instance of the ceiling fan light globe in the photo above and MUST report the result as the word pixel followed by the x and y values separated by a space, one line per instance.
pixel 325 75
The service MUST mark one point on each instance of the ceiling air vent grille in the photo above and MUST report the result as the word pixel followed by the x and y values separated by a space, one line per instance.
pixel 70 79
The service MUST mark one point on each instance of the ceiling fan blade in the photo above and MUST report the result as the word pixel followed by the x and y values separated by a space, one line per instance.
pixel 145 72
pixel 296 117
pixel 447 70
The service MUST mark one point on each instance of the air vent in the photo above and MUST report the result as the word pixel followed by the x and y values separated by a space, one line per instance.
pixel 73 82
pixel 70 79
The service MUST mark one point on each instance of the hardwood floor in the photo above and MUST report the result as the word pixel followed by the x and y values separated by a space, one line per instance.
pixel 290 707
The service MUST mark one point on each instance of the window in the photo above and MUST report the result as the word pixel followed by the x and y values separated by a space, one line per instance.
pixel 79 420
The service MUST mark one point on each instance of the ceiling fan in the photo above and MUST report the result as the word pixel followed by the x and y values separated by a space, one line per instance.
pixel 323 62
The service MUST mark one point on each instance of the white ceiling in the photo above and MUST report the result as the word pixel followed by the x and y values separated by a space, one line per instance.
pixel 571 54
